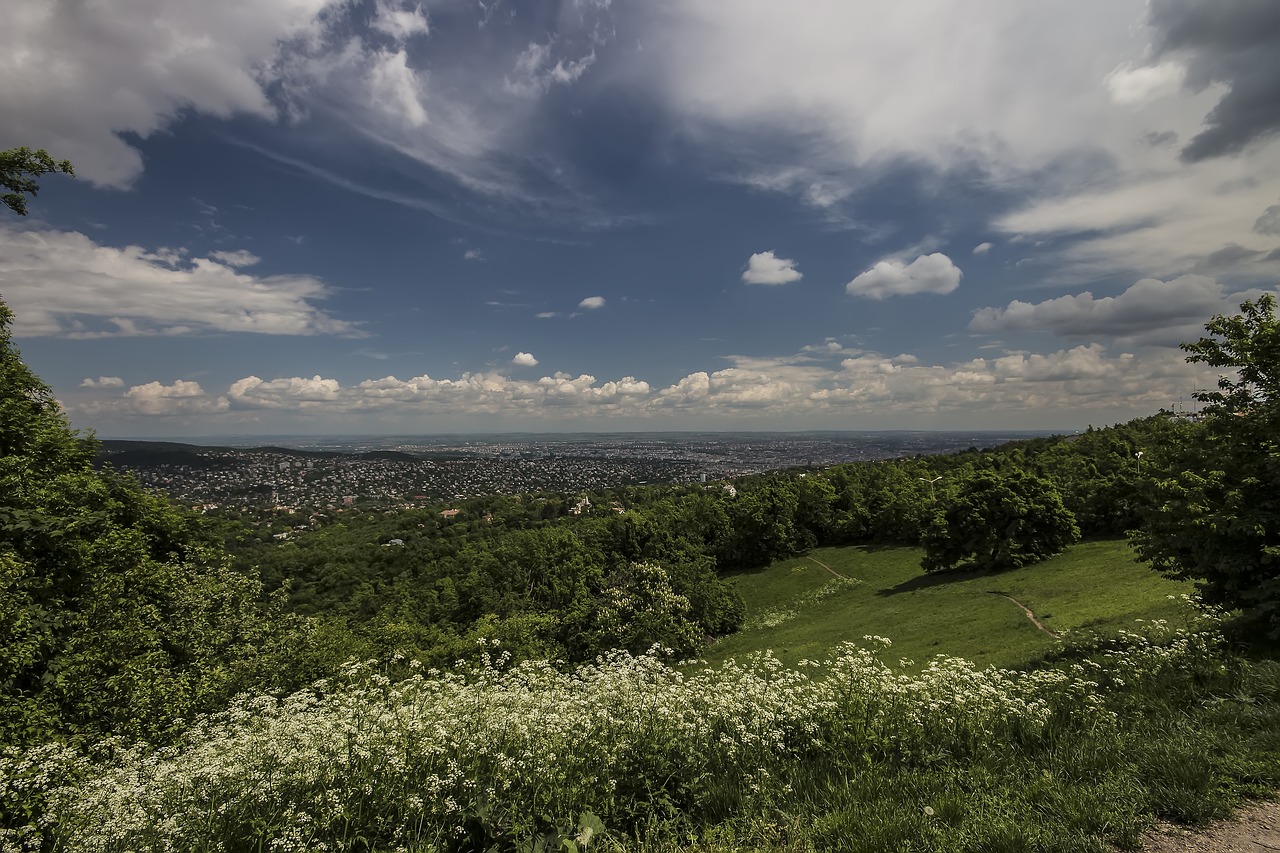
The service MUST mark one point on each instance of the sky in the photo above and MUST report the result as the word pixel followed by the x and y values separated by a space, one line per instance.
pixel 391 217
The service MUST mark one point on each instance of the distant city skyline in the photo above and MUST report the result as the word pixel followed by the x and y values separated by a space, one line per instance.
pixel 402 216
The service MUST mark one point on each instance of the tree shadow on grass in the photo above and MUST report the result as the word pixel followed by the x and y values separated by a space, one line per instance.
pixel 928 580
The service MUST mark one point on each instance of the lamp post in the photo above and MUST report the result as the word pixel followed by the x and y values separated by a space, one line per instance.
pixel 932 496
pixel 1138 457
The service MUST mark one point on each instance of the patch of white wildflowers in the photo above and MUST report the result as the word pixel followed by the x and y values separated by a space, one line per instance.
pixel 415 764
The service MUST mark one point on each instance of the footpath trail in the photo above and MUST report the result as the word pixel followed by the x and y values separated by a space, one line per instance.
pixel 1030 615
pixel 828 568
pixel 1254 829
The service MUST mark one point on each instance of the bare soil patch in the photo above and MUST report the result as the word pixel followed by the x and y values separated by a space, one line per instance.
pixel 1253 829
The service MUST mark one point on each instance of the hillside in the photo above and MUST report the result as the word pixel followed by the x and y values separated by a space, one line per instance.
pixel 803 607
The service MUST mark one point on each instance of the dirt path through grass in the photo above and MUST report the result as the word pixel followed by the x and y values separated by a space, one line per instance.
pixel 828 568
pixel 1030 615
pixel 1254 829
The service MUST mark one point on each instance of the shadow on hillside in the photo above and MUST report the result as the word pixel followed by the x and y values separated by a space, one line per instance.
pixel 928 580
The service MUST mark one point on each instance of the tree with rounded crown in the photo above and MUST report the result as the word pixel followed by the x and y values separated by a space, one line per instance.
pixel 995 520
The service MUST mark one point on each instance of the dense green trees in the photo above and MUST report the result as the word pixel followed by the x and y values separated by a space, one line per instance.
pixel 1213 507
pixel 117 613
pixel 996 520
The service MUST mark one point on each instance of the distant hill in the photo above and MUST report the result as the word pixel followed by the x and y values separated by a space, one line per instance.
pixel 140 454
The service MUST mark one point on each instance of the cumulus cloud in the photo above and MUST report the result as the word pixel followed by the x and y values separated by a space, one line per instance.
pixel 472 255
pixel 824 385
pixel 591 303
pixel 926 274
pixel 181 398
pixel 294 392
pixel 525 359
pixel 103 382
pixel 63 284
pixel 1152 310
pixel 768 268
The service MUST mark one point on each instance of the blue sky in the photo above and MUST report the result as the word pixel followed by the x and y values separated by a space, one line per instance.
pixel 310 216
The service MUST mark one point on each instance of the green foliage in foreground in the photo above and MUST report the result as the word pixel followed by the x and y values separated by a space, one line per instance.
pixel 116 614
pixel 849 754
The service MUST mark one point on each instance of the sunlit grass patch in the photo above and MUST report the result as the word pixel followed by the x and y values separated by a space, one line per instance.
pixel 1094 586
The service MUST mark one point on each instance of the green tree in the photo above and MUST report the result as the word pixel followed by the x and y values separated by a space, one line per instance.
pixel 639 608
pixel 1213 505
pixel 997 520
pixel 19 168
pixel 117 614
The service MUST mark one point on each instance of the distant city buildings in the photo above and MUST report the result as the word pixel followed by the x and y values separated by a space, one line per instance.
pixel 363 475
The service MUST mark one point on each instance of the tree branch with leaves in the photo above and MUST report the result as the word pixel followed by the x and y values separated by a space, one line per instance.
pixel 19 169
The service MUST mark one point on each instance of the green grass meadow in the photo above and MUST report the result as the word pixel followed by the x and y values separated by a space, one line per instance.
pixel 801 611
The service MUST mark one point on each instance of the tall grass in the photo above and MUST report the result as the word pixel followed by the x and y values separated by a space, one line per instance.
pixel 743 755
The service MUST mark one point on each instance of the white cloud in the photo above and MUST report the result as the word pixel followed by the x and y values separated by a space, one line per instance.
pixel 295 393
pixel 472 255
pixel 1162 223
pixel 400 23
pixel 78 74
pixel 181 398
pixel 864 84
pixel 1086 383
pixel 592 302
pixel 983 248
pixel 926 274
pixel 768 268
pixel 103 382
pixel 396 88
pixel 547 315
pixel 1149 305
pixel 63 284
pixel 239 258
pixel 525 359
pixel 1129 84
pixel 537 70
pixel 825 99
pixel 1148 312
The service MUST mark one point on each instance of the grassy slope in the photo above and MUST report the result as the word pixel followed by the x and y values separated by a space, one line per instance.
pixel 1095 585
